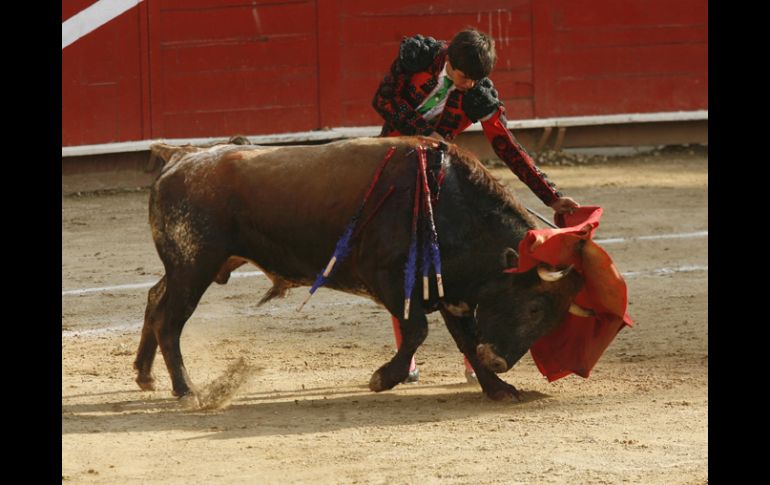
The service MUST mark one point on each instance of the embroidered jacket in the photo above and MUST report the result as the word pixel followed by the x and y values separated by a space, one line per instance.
pixel 413 76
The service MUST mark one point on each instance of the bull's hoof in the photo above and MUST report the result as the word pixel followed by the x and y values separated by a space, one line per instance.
pixel 146 383
pixel 504 393
pixel 375 383
pixel 382 380
pixel 190 401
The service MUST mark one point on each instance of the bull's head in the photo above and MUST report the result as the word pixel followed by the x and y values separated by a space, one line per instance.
pixel 516 309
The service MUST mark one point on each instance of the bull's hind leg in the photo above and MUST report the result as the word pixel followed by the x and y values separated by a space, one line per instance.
pixel 184 290
pixel 148 345
pixel 413 333
pixel 170 304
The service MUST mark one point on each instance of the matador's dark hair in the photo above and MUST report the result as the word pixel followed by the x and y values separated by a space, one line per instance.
pixel 472 52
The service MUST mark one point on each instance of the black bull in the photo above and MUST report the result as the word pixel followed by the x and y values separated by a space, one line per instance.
pixel 284 208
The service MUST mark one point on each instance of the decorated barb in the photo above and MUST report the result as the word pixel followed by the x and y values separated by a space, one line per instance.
pixel 410 269
pixel 342 248
pixel 435 255
pixel 598 311
pixel 423 228
pixel 422 209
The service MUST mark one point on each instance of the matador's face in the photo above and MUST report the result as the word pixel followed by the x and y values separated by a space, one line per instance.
pixel 460 80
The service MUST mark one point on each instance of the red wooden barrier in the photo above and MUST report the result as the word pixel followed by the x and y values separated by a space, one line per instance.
pixel 210 68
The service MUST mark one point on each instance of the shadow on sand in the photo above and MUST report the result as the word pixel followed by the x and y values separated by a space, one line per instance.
pixel 312 410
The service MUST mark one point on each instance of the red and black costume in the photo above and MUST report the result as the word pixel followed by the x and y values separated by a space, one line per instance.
pixel 413 76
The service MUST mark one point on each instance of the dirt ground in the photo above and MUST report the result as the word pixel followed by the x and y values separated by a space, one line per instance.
pixel 304 413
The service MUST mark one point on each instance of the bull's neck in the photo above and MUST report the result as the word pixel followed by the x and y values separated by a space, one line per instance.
pixel 475 227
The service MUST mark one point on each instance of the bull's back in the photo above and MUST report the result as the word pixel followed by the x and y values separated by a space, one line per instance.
pixel 282 207
pixel 306 186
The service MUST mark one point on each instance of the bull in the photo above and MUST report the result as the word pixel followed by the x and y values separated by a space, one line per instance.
pixel 283 208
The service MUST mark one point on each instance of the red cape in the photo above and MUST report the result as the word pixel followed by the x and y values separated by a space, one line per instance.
pixel 577 344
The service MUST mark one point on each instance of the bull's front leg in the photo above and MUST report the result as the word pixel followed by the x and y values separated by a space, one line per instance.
pixel 413 331
pixel 387 285
pixel 461 327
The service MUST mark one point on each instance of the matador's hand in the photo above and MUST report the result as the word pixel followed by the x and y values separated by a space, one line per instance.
pixel 564 205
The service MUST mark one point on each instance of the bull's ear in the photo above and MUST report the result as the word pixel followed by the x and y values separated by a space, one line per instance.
pixel 510 258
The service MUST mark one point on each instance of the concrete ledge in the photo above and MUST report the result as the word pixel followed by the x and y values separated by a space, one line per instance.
pixel 359 131
pixel 122 165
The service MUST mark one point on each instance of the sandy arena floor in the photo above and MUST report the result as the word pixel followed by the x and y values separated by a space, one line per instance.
pixel 305 414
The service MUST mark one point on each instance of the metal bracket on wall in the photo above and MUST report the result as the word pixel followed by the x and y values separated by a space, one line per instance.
pixel 543 139
pixel 559 138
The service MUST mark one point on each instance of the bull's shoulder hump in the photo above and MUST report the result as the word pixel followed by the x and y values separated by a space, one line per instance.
pixel 255 151
pixel 378 142
pixel 388 141
pixel 300 154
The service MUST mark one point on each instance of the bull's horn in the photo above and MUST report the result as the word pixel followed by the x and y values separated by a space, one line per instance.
pixel 510 258
pixel 548 275
pixel 578 310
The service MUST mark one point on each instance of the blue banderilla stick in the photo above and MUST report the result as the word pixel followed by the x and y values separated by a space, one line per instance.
pixel 411 257
pixel 426 261
pixel 434 250
pixel 342 249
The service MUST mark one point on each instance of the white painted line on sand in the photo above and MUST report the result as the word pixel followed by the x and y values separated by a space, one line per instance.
pixel 150 284
pixel 665 271
pixel 244 274
pixel 683 235
pixel 282 308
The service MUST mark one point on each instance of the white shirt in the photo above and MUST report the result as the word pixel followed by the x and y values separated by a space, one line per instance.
pixel 441 101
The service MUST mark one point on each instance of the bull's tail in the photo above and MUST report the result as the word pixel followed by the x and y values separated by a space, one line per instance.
pixel 279 290
pixel 161 154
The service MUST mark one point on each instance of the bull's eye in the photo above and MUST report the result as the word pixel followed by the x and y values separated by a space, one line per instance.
pixel 535 310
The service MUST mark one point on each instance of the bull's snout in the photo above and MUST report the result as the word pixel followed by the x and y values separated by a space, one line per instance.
pixel 490 359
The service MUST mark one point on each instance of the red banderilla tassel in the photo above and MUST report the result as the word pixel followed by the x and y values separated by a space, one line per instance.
pixel 436 257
